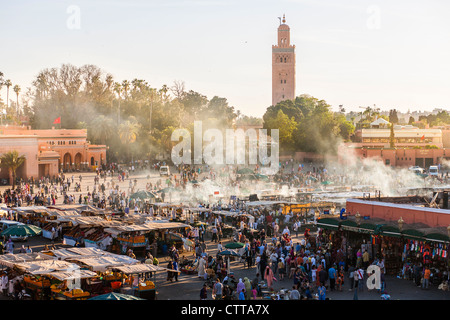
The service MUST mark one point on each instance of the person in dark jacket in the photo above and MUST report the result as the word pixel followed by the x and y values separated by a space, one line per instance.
pixel 323 277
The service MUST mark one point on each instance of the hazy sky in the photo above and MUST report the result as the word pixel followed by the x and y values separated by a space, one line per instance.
pixel 394 54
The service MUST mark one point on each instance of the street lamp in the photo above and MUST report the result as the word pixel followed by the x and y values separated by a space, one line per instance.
pixel 400 224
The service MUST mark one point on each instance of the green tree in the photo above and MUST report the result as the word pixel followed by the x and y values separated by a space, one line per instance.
pixel 392 137
pixel 102 128
pixel 393 117
pixel 17 91
pixel 128 133
pixel 286 127
pixel 12 160
pixel 346 128
pixel 318 130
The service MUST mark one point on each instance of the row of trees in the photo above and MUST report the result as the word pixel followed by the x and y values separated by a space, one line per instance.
pixel 132 117
pixel 308 124
pixel 136 120
pixel 16 88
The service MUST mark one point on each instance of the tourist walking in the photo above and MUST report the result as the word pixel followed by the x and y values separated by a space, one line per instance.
pixel 217 290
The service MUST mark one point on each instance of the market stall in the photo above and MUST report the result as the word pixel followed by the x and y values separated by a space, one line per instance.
pixel 400 245
pixel 141 279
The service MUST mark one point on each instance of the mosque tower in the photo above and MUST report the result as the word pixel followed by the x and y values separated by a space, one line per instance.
pixel 283 66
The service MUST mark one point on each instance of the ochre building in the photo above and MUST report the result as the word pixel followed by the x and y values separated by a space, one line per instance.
pixel 50 151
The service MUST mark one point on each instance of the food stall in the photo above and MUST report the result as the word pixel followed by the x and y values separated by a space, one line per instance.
pixel 71 285
pixel 89 231
pixel 140 281
pixel 38 277
pixel 125 237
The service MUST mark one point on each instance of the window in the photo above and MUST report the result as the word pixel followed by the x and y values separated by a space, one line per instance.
pixel 284 81
pixel 281 81
pixel 284 60
pixel 281 59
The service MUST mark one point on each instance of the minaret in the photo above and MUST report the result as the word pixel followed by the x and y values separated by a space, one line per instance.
pixel 283 66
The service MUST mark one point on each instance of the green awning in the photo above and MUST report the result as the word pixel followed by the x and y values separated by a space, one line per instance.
pixel 328 223
pixel 349 225
pixel 390 231
pixel 413 234
pixel 437 237
pixel 366 228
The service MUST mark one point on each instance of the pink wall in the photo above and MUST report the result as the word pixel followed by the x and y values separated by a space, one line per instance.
pixel 24 145
pixel 393 212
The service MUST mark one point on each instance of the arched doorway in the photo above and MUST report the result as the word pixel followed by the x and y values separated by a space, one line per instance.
pixel 67 161
pixel 78 158
pixel 92 161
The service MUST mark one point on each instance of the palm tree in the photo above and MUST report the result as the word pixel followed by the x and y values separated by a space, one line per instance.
pixel 102 128
pixel 12 160
pixel 128 132
pixel 17 90
pixel 8 84
pixel 118 90
pixel 125 86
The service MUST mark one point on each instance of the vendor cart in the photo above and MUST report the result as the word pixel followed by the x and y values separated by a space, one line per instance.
pixel 145 290
pixel 38 286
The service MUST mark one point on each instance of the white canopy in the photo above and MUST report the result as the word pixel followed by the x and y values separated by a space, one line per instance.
pixel 9 260
pixel 102 263
pixel 78 274
pixel 149 225
pixel 46 266
pixel 226 213
pixel 139 268
pixel 64 254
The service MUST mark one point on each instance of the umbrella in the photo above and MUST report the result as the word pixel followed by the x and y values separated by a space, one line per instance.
pixel 262 176
pixel 22 230
pixel 234 245
pixel 115 296
pixel 250 176
pixel 168 190
pixel 143 195
pixel 228 253
pixel 327 182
